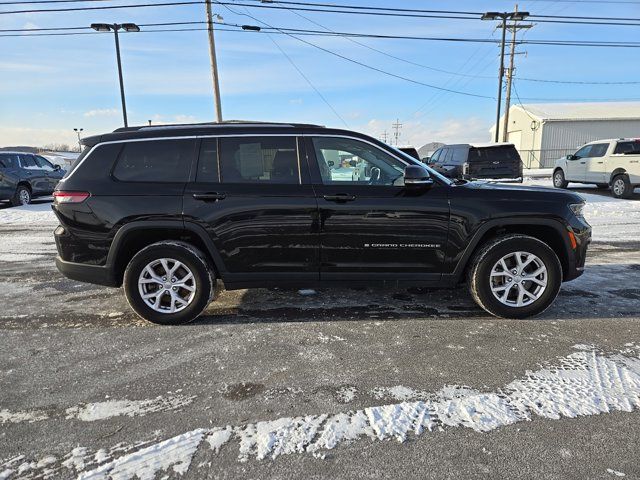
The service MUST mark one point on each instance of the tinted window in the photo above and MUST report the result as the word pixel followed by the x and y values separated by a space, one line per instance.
pixel 598 150
pixel 259 160
pixel 155 161
pixel 208 161
pixel 347 160
pixel 627 147
pixel 459 156
pixel 584 152
pixel 28 162
pixel 8 161
pixel 43 163
pixel 445 158
pixel 494 154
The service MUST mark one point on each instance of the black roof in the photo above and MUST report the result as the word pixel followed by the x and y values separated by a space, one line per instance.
pixel 194 129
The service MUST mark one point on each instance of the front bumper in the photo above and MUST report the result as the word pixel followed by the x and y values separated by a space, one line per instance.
pixel 578 255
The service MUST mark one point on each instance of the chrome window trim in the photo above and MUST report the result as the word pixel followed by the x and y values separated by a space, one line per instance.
pixel 290 134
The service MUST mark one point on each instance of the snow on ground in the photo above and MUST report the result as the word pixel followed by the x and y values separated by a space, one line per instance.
pixel 582 383
pixel 35 214
pixel 612 219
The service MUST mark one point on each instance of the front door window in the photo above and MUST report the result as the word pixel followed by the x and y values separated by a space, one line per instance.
pixel 348 161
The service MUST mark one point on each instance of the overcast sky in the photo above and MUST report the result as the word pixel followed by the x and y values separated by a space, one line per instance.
pixel 49 85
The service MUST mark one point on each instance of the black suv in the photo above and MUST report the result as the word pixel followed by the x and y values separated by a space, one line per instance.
pixel 484 161
pixel 170 211
pixel 24 176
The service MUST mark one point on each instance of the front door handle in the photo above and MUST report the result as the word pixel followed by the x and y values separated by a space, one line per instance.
pixel 600 162
pixel 340 197
pixel 210 196
pixel 582 163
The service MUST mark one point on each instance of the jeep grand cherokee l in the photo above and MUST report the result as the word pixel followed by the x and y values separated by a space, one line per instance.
pixel 168 211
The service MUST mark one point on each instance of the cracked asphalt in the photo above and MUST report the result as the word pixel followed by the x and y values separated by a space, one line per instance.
pixel 264 354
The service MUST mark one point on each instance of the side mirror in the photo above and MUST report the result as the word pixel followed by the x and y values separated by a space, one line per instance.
pixel 416 176
pixel 571 157
pixel 56 167
pixel 331 163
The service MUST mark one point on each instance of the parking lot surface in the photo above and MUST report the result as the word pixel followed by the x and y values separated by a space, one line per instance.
pixel 340 383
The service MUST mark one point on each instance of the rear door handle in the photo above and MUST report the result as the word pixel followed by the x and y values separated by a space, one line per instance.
pixel 210 197
pixel 582 163
pixel 340 197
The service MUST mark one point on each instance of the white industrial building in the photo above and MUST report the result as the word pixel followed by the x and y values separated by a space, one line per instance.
pixel 543 132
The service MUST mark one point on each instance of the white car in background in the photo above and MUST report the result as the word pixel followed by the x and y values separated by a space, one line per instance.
pixel 614 163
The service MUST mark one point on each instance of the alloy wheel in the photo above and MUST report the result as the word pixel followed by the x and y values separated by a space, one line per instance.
pixel 24 196
pixel 619 186
pixel 518 279
pixel 167 285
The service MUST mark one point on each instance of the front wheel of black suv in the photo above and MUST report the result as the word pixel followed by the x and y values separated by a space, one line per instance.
pixel 515 276
pixel 169 283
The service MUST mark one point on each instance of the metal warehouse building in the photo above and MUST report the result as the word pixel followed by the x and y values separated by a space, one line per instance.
pixel 543 132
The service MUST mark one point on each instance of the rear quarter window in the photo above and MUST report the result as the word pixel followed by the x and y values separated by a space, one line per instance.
pixel 155 161
pixel 628 148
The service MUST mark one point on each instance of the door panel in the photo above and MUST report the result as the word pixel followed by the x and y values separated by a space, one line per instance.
pixel 262 219
pixel 595 170
pixel 375 226
pixel 577 168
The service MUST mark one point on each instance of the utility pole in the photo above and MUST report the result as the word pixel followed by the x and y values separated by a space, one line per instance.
pixel 396 134
pixel 384 136
pixel 510 71
pixel 214 63
pixel 504 17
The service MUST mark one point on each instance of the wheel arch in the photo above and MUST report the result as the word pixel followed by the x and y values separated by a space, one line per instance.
pixel 615 173
pixel 551 232
pixel 134 236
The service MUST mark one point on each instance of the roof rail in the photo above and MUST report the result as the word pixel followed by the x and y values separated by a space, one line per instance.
pixel 226 123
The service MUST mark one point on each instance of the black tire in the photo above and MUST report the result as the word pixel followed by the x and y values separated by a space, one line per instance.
pixel 489 254
pixel 621 187
pixel 21 197
pixel 558 179
pixel 602 185
pixel 204 282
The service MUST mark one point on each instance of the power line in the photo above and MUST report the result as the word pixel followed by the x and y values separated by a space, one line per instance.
pixel 105 7
pixel 309 81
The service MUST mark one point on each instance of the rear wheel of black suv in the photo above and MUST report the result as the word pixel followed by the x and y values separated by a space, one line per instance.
pixel 169 283
pixel 21 197
pixel 515 276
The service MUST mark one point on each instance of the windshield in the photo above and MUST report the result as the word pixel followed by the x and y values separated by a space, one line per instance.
pixel 413 161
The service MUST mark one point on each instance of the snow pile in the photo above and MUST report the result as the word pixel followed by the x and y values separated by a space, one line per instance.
pixel 34 214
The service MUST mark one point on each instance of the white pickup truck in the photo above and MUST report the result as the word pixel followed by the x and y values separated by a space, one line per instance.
pixel 605 163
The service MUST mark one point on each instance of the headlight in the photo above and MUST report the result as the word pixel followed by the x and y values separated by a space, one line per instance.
pixel 577 209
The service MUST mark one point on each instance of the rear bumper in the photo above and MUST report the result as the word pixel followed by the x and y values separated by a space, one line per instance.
pixel 98 274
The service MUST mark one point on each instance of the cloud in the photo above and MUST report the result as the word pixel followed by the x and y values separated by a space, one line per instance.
pixel 35 137
pixel 418 133
pixel 102 112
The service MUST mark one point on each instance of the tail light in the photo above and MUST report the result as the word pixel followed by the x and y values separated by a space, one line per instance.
pixel 465 168
pixel 62 196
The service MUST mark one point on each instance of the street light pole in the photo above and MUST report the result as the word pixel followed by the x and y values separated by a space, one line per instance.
pixel 504 17
pixel 124 103
pixel 127 27
pixel 78 131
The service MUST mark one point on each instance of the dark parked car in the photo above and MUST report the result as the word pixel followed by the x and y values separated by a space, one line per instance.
pixel 24 176
pixel 168 211
pixel 493 161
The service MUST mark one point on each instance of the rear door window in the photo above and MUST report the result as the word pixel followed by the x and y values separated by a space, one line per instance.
pixel 208 161
pixel 28 162
pixel 459 156
pixel 259 160
pixel 627 148
pixel 155 161
pixel 598 150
